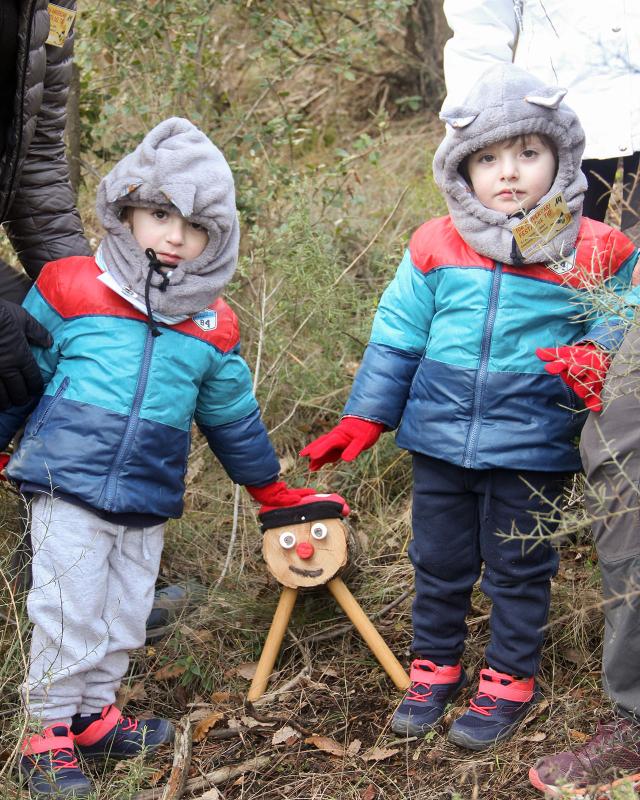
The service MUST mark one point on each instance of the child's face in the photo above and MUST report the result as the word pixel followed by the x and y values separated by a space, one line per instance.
pixel 173 237
pixel 512 175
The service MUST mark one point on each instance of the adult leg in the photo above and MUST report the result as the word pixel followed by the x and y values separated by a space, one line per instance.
pixel 610 448
pixel 630 219
pixel 601 174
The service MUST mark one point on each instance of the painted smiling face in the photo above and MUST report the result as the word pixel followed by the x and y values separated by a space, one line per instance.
pixel 306 554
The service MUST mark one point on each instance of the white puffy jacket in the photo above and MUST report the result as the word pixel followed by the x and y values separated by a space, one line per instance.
pixel 590 47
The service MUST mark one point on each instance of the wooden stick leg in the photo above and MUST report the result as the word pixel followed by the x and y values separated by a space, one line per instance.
pixel 365 627
pixel 272 645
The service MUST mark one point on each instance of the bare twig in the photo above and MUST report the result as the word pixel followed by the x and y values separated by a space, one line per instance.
pixel 224 774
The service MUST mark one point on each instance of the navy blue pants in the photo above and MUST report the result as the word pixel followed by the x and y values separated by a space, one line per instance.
pixel 460 517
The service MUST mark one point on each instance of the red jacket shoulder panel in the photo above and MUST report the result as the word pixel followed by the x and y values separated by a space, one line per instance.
pixel 601 250
pixel 217 325
pixel 71 287
pixel 437 243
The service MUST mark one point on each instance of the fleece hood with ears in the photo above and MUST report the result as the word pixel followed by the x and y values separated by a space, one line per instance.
pixel 175 167
pixel 507 102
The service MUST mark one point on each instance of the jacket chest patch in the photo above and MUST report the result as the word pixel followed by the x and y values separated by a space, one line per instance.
pixel 206 320
pixel 562 267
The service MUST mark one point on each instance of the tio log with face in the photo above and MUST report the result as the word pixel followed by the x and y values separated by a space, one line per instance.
pixel 306 546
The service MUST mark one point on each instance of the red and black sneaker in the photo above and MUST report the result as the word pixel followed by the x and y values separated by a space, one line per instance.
pixel 432 688
pixel 110 735
pixel 49 766
pixel 501 703
pixel 609 761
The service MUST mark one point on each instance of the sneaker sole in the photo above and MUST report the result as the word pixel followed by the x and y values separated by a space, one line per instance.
pixel 403 726
pixel 569 792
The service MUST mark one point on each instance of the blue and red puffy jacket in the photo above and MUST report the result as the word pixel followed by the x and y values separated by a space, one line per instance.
pixel 451 360
pixel 113 427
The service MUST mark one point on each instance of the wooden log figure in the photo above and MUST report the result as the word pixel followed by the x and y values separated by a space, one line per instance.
pixel 307 546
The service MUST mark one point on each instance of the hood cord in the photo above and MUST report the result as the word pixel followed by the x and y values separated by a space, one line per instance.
pixel 154 266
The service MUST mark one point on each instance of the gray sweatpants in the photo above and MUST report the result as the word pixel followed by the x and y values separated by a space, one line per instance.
pixel 92 592
pixel 610 449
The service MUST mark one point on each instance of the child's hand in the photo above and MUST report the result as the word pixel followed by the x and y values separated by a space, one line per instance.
pixel 583 367
pixel 347 440
pixel 278 494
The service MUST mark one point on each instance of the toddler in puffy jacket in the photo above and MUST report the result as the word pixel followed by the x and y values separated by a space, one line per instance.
pixel 143 345
pixel 456 363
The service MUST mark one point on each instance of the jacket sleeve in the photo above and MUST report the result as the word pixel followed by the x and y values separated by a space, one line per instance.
pixel 228 415
pixel 485 32
pixel 42 221
pixel 47 359
pixel 398 341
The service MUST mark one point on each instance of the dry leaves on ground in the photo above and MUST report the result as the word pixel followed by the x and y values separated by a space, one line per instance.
pixel 204 726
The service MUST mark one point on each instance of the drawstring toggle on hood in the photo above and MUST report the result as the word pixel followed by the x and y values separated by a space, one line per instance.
pixel 154 266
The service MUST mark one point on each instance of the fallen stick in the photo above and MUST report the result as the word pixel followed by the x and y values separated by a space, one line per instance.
pixel 224 774
pixel 175 786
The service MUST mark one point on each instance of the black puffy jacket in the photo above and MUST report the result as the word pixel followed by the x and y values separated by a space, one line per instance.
pixel 37 205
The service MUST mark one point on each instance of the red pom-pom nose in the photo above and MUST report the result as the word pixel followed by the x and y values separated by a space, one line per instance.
pixel 305 550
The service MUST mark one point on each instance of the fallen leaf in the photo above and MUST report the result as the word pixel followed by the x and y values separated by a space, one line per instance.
pixel 286 735
pixel 200 635
pixel 379 753
pixel 326 744
pixel 578 736
pixel 220 697
pixel 200 713
pixel 250 722
pixel 536 711
pixel 329 672
pixel 354 747
pixel 370 793
pixel 127 694
pixel 574 656
pixel 170 671
pixel 534 737
pixel 247 670
pixel 211 794
pixel 204 726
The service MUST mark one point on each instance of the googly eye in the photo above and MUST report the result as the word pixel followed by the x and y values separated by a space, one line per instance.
pixel 319 530
pixel 287 540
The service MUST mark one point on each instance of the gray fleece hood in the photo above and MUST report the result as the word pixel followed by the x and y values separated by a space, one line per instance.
pixel 508 102
pixel 175 167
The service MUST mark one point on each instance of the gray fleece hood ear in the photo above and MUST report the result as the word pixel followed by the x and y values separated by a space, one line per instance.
pixel 175 168
pixel 508 102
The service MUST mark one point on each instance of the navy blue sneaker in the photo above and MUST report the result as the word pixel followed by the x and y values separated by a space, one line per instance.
pixel 432 688
pixel 501 703
pixel 49 766
pixel 110 735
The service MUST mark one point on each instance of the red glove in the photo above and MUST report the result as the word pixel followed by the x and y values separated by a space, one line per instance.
pixel 583 367
pixel 278 494
pixel 4 460
pixel 347 440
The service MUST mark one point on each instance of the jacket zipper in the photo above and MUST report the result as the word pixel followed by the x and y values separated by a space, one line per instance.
pixel 132 424
pixel 483 368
